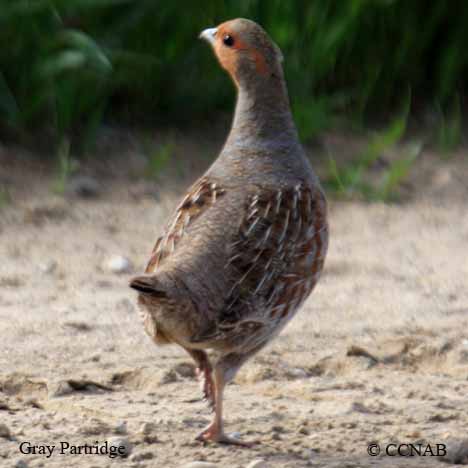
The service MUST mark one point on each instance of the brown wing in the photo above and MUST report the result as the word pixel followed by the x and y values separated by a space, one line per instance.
pixel 276 260
pixel 199 198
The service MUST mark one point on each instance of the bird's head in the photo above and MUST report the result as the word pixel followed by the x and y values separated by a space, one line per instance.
pixel 245 51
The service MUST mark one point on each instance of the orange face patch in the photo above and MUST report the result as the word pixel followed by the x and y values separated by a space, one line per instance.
pixel 228 56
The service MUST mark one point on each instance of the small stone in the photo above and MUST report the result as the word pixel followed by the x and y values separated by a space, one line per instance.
pixel 83 187
pixel 21 464
pixel 5 431
pixel 122 444
pixel 151 439
pixel 257 463
pixel 119 265
pixel 296 373
pixel 235 435
pixel 359 407
pixel 349 425
pixel 59 389
pixel 121 428
pixel 168 377
pixel 48 267
pixel 147 428
pixel 4 405
pixel 185 369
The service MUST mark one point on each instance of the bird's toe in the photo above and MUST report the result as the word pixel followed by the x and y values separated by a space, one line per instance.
pixel 213 434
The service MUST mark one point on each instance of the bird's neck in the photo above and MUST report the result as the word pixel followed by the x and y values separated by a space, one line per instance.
pixel 263 115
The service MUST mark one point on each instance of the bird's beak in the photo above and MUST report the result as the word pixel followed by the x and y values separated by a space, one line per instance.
pixel 209 35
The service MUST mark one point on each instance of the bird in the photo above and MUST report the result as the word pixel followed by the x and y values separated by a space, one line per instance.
pixel 247 243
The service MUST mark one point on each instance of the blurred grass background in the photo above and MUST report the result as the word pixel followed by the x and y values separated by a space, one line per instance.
pixel 68 66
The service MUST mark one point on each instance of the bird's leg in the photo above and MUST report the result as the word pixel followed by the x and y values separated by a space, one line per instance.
pixel 204 373
pixel 214 432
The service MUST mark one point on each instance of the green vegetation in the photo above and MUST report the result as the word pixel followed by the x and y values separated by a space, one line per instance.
pixel 4 197
pixel 158 158
pixel 66 167
pixel 449 132
pixel 69 64
pixel 354 178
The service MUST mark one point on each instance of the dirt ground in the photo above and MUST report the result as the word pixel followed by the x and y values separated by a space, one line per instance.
pixel 378 354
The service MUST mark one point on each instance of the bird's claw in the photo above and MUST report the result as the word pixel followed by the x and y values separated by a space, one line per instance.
pixel 213 434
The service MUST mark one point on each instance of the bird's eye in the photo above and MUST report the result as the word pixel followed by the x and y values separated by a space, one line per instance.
pixel 228 40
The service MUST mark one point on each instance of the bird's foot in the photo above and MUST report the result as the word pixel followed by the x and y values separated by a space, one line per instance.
pixel 214 434
pixel 207 385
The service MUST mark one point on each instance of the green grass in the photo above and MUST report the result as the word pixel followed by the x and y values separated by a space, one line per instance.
pixel 66 167
pixel 157 158
pixel 356 180
pixel 449 132
pixel 359 178
pixel 397 173
pixel 4 197
pixel 70 64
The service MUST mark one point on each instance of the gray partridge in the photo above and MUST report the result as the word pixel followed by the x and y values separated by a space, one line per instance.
pixel 247 243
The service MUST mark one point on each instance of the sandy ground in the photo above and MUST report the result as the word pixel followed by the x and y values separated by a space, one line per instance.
pixel 379 353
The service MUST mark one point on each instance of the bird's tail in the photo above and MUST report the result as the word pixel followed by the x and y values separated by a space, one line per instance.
pixel 149 285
